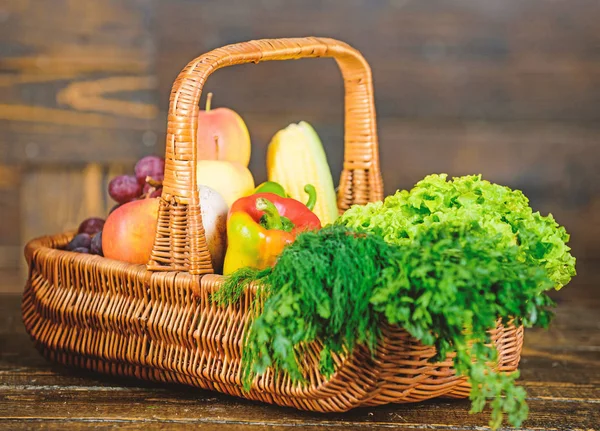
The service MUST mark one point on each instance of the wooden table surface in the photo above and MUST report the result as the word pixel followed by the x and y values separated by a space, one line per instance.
pixel 560 369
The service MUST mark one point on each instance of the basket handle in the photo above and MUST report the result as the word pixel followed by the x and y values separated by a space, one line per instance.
pixel 180 243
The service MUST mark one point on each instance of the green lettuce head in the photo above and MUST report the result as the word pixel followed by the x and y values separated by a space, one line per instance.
pixel 502 213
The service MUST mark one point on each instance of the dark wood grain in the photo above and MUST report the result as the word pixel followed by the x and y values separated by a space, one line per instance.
pixel 79 73
pixel 560 370
pixel 475 59
pixel 10 243
pixel 509 89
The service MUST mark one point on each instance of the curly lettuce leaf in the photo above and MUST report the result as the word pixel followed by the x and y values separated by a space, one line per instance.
pixel 500 211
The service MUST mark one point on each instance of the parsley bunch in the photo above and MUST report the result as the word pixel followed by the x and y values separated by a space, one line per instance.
pixel 448 287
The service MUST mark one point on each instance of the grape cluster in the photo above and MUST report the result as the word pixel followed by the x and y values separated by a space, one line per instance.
pixel 146 183
pixel 88 238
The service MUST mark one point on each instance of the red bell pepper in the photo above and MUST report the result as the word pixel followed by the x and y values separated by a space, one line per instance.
pixel 259 226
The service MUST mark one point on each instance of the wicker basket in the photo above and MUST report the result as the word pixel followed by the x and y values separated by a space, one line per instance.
pixel 156 322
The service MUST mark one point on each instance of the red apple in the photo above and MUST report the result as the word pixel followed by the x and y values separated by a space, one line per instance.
pixel 222 135
pixel 129 231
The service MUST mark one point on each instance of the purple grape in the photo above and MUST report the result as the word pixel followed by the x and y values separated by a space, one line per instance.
pixel 96 246
pixel 124 188
pixel 81 250
pixel 82 240
pixel 91 225
pixel 150 166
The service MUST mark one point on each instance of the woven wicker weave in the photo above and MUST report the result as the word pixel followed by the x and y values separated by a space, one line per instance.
pixel 156 322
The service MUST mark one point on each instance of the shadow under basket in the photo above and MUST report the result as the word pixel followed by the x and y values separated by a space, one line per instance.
pixel 156 321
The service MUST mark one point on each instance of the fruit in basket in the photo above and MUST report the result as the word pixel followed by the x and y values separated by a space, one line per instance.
pixel 149 166
pixel 81 250
pixel 91 225
pixel 124 188
pixel 129 231
pixel 295 157
pixel 230 179
pixel 81 240
pixel 96 244
pixel 214 220
pixel 222 135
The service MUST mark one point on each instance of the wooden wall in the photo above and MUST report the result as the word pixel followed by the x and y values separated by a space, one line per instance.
pixel 78 104
pixel 509 89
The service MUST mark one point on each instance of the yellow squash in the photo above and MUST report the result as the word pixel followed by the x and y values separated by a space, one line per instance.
pixel 295 158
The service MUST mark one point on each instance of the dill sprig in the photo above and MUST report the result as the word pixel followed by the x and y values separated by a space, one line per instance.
pixel 319 288
pixel 236 283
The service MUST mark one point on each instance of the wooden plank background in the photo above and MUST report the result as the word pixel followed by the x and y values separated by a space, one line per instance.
pixel 509 89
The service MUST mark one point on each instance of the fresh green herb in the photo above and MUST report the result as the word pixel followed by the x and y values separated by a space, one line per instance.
pixel 498 209
pixel 452 277
pixel 443 261
pixel 319 288
pixel 336 285
pixel 236 283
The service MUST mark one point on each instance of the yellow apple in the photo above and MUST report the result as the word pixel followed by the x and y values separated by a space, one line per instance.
pixel 222 135
pixel 230 179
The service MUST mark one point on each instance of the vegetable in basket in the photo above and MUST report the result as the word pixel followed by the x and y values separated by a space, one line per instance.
pixel 296 157
pixel 270 187
pixel 500 211
pixel 443 261
pixel 259 226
